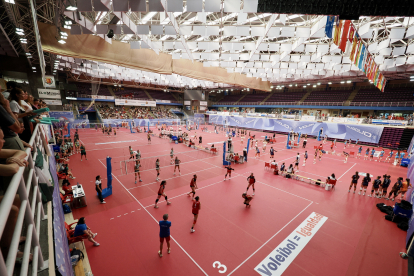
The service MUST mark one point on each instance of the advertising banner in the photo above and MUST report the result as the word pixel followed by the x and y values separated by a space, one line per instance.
pixel 53 102
pixel 62 115
pixel 308 118
pixel 142 122
pixel 389 122
pixel 369 134
pixel 203 103
pixel 135 102
pixel 187 102
pixel 49 93
pixel 103 97
pixel 163 101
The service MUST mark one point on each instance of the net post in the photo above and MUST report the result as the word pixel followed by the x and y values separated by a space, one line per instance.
pixel 300 134
pixel 248 146
pixel 108 190
pixel 319 134
pixel 225 163
pixel 287 143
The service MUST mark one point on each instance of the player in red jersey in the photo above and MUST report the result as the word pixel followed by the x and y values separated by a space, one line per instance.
pixel 251 181
pixel 229 169
pixel 161 193
pixel 193 185
pixel 196 208
pixel 247 199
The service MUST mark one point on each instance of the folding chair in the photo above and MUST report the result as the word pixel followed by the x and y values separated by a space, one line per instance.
pixel 267 165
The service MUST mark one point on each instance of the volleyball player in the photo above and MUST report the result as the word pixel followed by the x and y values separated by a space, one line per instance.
pixel 332 145
pixel 375 186
pixel 380 155
pixel 247 199
pixel 195 209
pixel 251 180
pixel 297 160
pixel 366 154
pixel 149 137
pixel 138 155
pixel 136 170
pixel 346 156
pixel 305 158
pixel 83 151
pixel 397 157
pixel 356 142
pixel 346 141
pixel 372 154
pixel 193 185
pixel 315 155
pixel 325 138
pixel 320 154
pixel 272 153
pixel 389 156
pixel 365 183
pixel 103 130
pixel 384 186
pixel 177 165
pixel 257 152
pixel 172 155
pixel 359 151
pixel 241 139
pixel 354 182
pixel 77 146
pixel 114 132
pixel 131 153
pixel 157 168
pixel 229 169
pixel 402 156
pixel 264 145
pixel 161 193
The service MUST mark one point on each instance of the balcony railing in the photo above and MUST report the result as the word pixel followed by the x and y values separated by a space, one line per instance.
pixel 25 184
pixel 285 103
pixel 379 104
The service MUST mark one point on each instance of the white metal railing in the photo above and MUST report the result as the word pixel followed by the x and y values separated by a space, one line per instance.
pixel 283 103
pixel 25 184
pixel 398 104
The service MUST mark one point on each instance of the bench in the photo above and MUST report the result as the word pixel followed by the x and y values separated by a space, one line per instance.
pixel 308 179
pixel 78 269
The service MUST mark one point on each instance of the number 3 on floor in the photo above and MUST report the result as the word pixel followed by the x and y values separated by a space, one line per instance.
pixel 219 265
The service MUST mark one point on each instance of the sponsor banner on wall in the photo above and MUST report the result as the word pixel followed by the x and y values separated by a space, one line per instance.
pixel 49 93
pixel 345 120
pixel 365 133
pixel 80 124
pixel 163 101
pixel 287 116
pixel 49 82
pixel 308 118
pixel 135 102
pixel 283 255
pixel 187 102
pixel 203 108
pixel 203 103
pixel 141 122
pixel 103 97
pixel 53 102
pixel 389 122
pixel 62 115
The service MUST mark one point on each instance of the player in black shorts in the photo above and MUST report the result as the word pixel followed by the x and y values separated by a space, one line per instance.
pixel 177 165
pixel 375 186
pixel 136 170
pixel 149 138
pixel 354 182
pixel 157 168
pixel 161 193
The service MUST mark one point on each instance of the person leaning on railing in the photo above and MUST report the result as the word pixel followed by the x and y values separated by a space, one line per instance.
pixel 11 161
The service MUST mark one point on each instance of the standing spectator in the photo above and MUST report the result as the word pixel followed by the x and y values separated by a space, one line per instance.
pixel 16 97
pixel 98 187
pixel 164 234
pixel 10 126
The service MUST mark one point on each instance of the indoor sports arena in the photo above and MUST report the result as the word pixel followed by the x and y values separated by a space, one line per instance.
pixel 292 122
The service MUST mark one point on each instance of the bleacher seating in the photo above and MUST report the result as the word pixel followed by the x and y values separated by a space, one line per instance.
pixel 329 96
pixel 159 95
pixel 254 98
pixel 230 98
pixel 286 97
pixel 86 89
pixel 132 93
pixel 389 95
pixel 390 137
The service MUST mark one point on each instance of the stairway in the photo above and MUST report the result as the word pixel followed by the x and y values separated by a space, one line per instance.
pixel 406 138
pixel 265 99
pixel 111 91
pixel 305 96
pixel 351 97
pixel 240 98
pixel 148 94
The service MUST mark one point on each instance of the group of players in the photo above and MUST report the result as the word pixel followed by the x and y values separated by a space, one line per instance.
pixel 106 130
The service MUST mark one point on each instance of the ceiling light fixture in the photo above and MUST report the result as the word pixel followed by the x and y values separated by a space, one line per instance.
pixel 342 81
pixel 10 1
pixel 61 41
pixel 329 82
pixel 348 81
pixel 71 8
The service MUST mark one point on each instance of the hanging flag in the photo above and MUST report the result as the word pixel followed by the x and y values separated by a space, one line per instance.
pixel 366 63
pixel 351 33
pixel 358 53
pixel 337 35
pixel 383 84
pixel 354 47
pixel 362 58
pixel 329 25
pixel 342 44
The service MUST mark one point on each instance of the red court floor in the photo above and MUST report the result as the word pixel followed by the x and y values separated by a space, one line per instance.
pixel 355 239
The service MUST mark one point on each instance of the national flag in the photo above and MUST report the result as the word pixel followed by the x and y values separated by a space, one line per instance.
pixel 362 58
pixel 371 67
pixel 342 44
pixel 337 35
pixel 384 83
pixel 366 63
pixel 354 47
pixel 376 76
pixel 329 25
pixel 358 53
pixel 351 33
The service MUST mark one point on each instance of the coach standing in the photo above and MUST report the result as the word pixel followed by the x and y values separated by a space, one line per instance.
pixel 164 233
pixel 98 187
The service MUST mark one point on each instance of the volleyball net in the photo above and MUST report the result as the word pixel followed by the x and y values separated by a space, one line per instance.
pixel 148 163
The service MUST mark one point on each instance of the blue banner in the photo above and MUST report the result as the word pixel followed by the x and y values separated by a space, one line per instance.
pixel 410 193
pixel 62 115
pixel 142 122
pixel 329 25
pixel 369 134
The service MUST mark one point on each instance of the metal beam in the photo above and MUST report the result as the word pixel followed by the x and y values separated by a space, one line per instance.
pixel 7 37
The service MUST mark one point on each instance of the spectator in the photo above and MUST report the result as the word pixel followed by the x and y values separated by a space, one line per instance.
pixel 82 229
pixel 16 97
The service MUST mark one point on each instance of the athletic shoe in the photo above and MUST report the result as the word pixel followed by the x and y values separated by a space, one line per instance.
pixel 156 207
pixel 349 191
pixel 224 179
pixel 359 193
pixel 303 165
pixel 229 178
pixel 81 159
pixel 86 158
pixel 192 230
pixel 354 192
pixel 363 194
pixel 168 203
pixel 140 180
pixel 135 182
pixel 403 255
pixel 103 202
pixel 174 174
pixel 159 253
pixel 393 199
pixel 96 244
pixel 253 193
pixel 94 235
pixel 369 195
pixel 169 250
pixel 180 173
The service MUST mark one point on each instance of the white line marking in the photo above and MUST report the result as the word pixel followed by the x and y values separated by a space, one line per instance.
pixel 118 216
pixel 347 171
pixel 157 223
pixel 125 214
pixel 115 142
pixel 269 240
pixel 132 211
pixel 111 218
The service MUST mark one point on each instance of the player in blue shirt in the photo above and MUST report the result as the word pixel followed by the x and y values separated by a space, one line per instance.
pixel 356 142
pixel 397 156
pixel 381 155
pixel 389 156
pixel 305 155
pixel 359 151
pixel 366 154
pixel 372 154
pixel 164 233
pixel 346 141
pixel 402 156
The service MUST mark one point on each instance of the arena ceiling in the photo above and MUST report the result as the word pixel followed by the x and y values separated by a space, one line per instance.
pixel 238 35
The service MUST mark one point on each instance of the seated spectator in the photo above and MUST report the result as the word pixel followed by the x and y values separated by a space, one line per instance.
pixel 66 187
pixel 82 229
pixel 64 169
pixel 236 158
pixel 290 171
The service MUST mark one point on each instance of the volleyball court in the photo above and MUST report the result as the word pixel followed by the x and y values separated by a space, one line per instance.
pixel 230 237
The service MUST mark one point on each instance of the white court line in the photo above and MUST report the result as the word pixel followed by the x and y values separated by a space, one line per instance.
pixel 268 240
pixel 157 223
pixel 116 142
pixel 347 171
